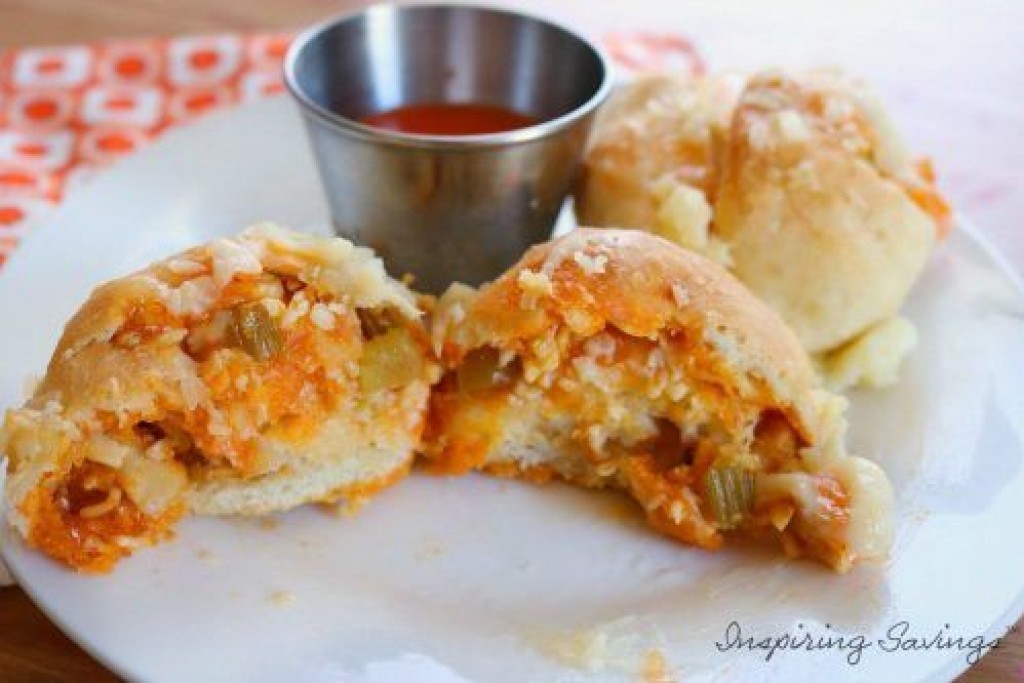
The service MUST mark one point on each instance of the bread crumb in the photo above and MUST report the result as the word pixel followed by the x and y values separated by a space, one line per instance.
pixel 345 507
pixel 275 307
pixel 208 558
pixel 297 308
pixel 126 542
pixel 623 645
pixel 282 598
pixel 185 267
pixel 764 98
pixel 192 298
pixel 269 523
pixel 591 265
pixel 229 258
pixel 676 512
pixel 838 109
pixel 758 135
pixel 600 346
pixel 534 286
pixel 680 295
pixel 581 322
pixel 791 127
pixel 656 669
pixel 429 549
pixel 322 317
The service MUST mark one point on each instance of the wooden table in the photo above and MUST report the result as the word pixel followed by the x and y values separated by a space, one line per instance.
pixel 31 648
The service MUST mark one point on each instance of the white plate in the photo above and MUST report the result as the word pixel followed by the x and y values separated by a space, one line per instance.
pixel 484 580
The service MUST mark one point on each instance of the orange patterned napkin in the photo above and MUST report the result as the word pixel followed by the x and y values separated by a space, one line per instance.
pixel 68 112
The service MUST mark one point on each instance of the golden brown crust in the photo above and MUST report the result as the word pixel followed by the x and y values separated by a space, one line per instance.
pixel 646 287
pixel 101 315
pixel 813 202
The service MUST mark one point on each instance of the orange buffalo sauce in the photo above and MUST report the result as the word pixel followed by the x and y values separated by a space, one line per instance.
pixel 449 119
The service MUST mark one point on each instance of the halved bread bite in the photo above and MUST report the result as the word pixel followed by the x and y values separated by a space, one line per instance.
pixel 249 375
pixel 798 183
pixel 616 359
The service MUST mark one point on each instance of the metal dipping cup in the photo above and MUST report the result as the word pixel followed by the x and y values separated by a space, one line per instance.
pixel 446 208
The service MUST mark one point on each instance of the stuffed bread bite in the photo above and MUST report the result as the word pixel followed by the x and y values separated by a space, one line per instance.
pixel 616 359
pixel 249 375
pixel 799 184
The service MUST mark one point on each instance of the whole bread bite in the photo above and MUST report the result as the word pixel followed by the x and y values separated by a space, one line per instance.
pixel 798 183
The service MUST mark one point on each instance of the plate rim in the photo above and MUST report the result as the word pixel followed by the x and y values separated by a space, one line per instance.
pixel 953 666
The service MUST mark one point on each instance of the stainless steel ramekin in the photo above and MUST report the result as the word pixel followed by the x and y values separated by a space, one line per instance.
pixel 446 208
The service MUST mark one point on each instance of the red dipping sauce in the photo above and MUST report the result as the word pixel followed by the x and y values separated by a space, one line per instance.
pixel 449 119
